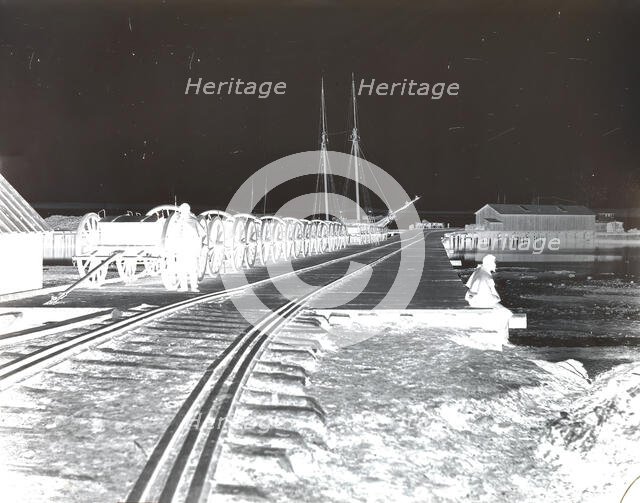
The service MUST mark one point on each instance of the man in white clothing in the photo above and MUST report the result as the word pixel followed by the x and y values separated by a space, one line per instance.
pixel 482 289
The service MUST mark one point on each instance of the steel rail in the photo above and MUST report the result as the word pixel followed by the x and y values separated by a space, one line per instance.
pixel 239 358
pixel 27 365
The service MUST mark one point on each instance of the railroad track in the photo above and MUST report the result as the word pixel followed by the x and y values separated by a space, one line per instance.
pixel 25 365
pixel 166 347
pixel 185 473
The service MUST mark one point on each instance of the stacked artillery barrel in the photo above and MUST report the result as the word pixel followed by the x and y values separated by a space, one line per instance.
pixel 153 244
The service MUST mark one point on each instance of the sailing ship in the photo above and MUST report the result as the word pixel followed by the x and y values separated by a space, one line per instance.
pixel 364 227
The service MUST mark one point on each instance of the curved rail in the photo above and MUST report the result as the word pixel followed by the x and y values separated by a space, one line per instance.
pixel 183 462
pixel 26 365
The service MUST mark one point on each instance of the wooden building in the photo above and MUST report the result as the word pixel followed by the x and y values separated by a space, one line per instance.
pixel 525 232
pixel 535 218
pixel 22 233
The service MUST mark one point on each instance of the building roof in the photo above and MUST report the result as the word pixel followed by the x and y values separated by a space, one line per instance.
pixel 16 215
pixel 540 209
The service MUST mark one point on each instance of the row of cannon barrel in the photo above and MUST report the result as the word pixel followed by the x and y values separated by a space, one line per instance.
pixel 169 241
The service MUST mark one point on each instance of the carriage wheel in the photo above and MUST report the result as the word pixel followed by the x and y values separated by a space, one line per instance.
pixel 216 246
pixel 278 241
pixel 151 266
pixel 127 267
pixel 85 265
pixel 295 242
pixel 87 235
pixel 307 249
pixel 318 242
pixel 266 245
pixel 203 233
pixel 163 211
pixel 289 234
pixel 238 244
pixel 324 238
pixel 251 240
pixel 319 229
pixel 306 240
pixel 313 238
pixel 301 240
pixel 98 277
pixel 82 264
pixel 298 240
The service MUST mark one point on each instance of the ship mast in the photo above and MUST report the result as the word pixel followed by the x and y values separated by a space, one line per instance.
pixel 324 141
pixel 355 146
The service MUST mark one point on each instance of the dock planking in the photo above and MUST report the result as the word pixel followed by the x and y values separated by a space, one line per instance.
pixel 440 286
pixel 438 302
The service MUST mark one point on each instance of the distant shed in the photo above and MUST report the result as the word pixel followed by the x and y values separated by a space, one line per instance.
pixel 22 233
pixel 536 217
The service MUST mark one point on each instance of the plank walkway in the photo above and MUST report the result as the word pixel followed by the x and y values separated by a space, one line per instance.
pixel 440 286
pixel 151 291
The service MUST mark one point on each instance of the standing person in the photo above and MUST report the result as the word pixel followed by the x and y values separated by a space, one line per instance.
pixel 188 250
pixel 482 289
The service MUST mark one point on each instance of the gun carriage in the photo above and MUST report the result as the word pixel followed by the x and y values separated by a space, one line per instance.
pixel 140 245
pixel 153 244
pixel 167 242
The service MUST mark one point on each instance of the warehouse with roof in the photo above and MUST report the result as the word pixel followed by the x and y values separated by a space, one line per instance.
pixel 536 217
pixel 22 232
pixel 513 231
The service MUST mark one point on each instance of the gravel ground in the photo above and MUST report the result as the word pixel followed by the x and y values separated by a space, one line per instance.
pixel 55 275
pixel 417 417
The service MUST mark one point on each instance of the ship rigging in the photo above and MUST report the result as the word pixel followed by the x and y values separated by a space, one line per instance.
pixel 362 226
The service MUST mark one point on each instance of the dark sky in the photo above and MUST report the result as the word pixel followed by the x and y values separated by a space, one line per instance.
pixel 93 108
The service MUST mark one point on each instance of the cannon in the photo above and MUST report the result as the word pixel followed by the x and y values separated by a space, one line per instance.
pixel 217 225
pixel 250 240
pixel 239 241
pixel 273 239
pixel 234 242
pixel 157 243
pixel 294 237
pixel 141 245
pixel 226 238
